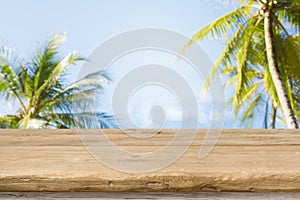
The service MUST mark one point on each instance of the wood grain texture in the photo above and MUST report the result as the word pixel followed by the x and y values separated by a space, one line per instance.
pixel 153 195
pixel 242 160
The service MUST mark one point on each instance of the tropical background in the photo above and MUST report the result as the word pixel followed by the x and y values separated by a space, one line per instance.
pixel 254 43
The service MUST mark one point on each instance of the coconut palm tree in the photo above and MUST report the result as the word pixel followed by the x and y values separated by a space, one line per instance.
pixel 256 23
pixel 259 89
pixel 39 85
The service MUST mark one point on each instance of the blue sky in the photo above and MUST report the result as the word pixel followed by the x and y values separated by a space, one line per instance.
pixel 91 22
pixel 88 23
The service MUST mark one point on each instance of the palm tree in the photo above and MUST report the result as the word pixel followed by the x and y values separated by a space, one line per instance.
pixel 259 86
pixel 256 23
pixel 44 97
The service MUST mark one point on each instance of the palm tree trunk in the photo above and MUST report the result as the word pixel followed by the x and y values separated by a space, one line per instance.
pixel 266 115
pixel 275 73
pixel 273 115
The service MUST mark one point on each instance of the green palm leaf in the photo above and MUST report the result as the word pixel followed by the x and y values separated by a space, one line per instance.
pixel 46 100
pixel 244 59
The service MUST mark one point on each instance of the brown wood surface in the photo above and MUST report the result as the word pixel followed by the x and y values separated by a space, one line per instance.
pixel 242 160
pixel 149 195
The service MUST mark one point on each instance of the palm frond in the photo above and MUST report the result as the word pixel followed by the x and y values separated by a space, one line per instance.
pixel 289 13
pixel 221 26
pixel 106 120
pixel 10 85
pixel 249 113
pixel 45 60
pixel 45 99
pixel 25 81
pixel 61 67
pixel 244 71
pixel 83 90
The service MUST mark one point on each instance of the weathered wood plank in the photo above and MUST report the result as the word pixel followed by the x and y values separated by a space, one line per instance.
pixel 163 196
pixel 242 160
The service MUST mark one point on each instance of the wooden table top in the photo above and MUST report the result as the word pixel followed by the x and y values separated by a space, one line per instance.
pixel 241 161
